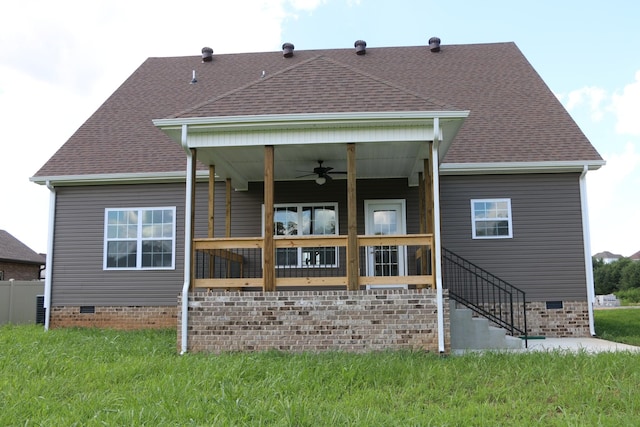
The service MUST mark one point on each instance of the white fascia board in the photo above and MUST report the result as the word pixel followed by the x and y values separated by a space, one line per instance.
pixel 302 120
pixel 110 179
pixel 519 167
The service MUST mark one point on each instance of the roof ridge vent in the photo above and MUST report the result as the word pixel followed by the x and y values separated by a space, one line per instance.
pixel 287 50
pixel 361 47
pixel 207 54
pixel 434 44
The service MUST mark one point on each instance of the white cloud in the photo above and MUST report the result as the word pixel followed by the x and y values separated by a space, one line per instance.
pixel 627 108
pixel 593 97
pixel 613 203
pixel 60 60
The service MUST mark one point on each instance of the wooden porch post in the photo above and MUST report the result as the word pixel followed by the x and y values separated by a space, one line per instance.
pixel 352 221
pixel 212 204
pixel 268 251
pixel 191 248
pixel 227 226
pixel 428 205
pixel 227 220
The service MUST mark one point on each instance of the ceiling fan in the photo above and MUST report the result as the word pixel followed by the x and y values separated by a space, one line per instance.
pixel 322 173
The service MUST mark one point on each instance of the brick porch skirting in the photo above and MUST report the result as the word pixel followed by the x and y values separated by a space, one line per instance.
pixel 114 317
pixel 297 321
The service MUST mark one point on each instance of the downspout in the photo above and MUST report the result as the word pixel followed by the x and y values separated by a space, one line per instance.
pixel 588 262
pixel 436 232
pixel 187 241
pixel 49 256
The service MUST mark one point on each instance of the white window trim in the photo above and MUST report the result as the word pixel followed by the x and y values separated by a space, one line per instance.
pixel 508 219
pixel 299 206
pixel 138 239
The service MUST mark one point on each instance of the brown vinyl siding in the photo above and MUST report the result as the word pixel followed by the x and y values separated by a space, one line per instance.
pixel 545 257
pixel 78 277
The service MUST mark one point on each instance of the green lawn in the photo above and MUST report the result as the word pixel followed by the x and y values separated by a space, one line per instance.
pixel 620 325
pixel 90 377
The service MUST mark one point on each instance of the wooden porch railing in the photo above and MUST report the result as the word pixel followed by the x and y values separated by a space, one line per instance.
pixel 236 263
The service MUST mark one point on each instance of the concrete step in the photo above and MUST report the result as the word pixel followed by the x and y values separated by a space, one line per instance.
pixel 469 332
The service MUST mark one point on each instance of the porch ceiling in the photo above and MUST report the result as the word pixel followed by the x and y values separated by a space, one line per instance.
pixel 388 144
pixel 373 160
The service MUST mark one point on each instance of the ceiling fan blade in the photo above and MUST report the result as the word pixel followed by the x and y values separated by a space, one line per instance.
pixel 306 175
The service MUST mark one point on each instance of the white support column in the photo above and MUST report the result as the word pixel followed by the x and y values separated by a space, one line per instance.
pixel 437 250
pixel 49 262
pixel 588 262
pixel 188 239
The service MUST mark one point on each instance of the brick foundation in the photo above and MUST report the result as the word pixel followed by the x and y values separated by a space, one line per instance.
pixel 115 317
pixel 314 321
pixel 572 320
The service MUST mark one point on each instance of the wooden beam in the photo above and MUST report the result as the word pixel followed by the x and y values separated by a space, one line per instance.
pixel 227 222
pixel 212 200
pixel 268 252
pixel 421 204
pixel 352 221
pixel 211 215
pixel 428 194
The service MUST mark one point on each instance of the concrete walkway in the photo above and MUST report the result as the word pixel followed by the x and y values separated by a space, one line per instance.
pixel 589 345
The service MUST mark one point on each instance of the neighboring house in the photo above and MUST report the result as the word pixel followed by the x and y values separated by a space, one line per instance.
pixel 17 260
pixel 607 257
pixel 392 178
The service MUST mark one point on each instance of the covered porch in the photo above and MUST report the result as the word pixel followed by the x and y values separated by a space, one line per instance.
pixel 369 253
pixel 352 147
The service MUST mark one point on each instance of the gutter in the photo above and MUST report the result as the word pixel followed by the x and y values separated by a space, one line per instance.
pixel 187 241
pixel 588 262
pixel 436 232
pixel 49 258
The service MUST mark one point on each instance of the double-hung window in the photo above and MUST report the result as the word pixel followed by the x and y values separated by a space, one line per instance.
pixel 491 219
pixel 306 220
pixel 139 238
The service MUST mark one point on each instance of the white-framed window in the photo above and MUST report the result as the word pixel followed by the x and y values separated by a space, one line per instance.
pixel 306 219
pixel 491 219
pixel 139 238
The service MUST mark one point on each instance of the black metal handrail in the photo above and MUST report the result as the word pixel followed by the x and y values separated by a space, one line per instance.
pixel 484 293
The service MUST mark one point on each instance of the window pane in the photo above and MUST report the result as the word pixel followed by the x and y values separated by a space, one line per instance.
pixel 156 252
pixel 286 256
pixel 492 228
pixel 318 256
pixel 286 221
pixel 121 254
pixel 324 220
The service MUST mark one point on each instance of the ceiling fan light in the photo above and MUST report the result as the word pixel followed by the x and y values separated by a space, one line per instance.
pixel 321 180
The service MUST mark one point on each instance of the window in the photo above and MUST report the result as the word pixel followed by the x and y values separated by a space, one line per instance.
pixel 139 238
pixel 306 220
pixel 491 218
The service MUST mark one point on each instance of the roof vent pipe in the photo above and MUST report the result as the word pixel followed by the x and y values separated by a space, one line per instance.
pixel 207 54
pixel 434 44
pixel 360 46
pixel 287 50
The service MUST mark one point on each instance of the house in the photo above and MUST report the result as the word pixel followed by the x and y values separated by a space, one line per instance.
pixel 607 257
pixel 17 260
pixel 324 199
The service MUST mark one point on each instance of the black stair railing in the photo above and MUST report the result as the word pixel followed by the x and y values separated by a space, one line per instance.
pixel 484 293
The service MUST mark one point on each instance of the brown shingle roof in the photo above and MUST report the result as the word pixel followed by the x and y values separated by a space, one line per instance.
pixel 13 250
pixel 514 116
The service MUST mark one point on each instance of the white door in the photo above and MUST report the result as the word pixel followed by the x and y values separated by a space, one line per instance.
pixel 383 218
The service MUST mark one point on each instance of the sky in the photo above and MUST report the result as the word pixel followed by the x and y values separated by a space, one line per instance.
pixel 60 60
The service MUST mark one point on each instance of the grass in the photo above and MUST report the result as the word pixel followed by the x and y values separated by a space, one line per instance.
pixel 620 325
pixel 91 377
